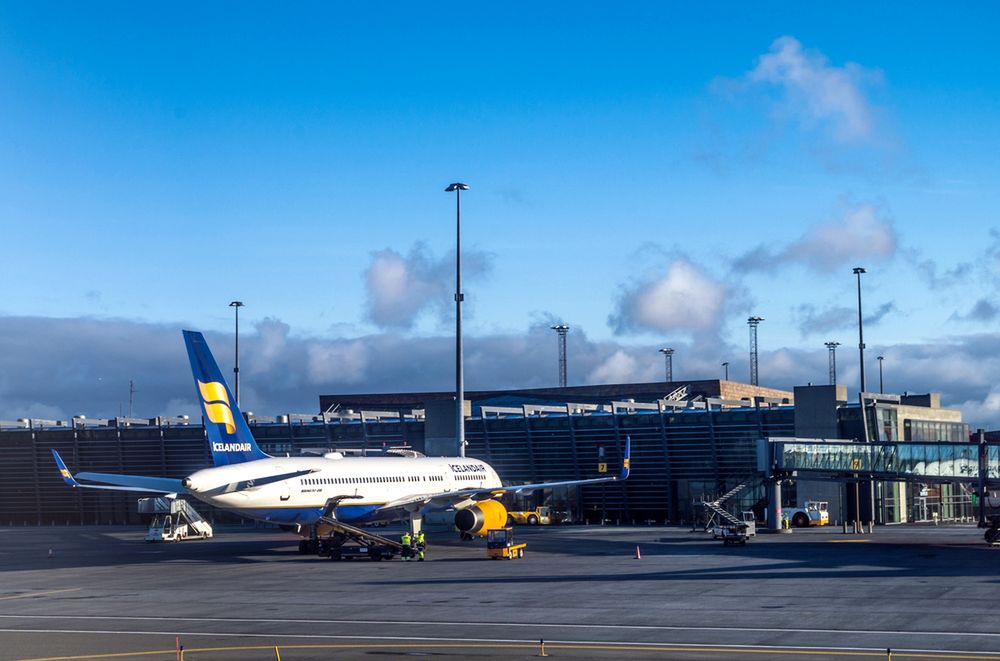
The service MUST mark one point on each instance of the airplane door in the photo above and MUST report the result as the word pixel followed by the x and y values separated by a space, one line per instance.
pixel 286 491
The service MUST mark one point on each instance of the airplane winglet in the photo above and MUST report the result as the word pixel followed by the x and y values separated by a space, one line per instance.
pixel 626 459
pixel 63 471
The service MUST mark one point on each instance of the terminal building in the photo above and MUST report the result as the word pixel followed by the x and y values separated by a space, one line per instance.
pixel 691 441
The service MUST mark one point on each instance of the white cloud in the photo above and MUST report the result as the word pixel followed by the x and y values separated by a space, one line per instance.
pixel 860 234
pixel 815 92
pixel 402 288
pixel 52 368
pixel 683 297
pixel 619 367
pixel 337 362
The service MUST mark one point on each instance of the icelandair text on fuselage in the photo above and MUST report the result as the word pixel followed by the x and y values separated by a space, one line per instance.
pixel 467 468
pixel 230 447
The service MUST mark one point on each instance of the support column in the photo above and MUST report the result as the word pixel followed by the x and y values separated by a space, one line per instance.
pixel 774 506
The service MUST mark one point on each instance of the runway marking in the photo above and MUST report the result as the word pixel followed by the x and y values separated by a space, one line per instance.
pixel 454 643
pixel 37 594
pixel 849 541
pixel 530 625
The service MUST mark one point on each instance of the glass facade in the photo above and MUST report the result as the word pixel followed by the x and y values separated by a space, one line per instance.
pixel 933 462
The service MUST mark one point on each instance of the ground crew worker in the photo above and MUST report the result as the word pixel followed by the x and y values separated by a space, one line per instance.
pixel 407 542
pixel 421 543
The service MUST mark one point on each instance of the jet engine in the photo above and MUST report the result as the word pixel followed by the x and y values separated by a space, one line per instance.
pixel 479 518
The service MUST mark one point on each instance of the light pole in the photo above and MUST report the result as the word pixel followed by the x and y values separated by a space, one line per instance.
pixel 861 335
pixel 457 188
pixel 725 368
pixel 832 346
pixel 562 329
pixel 668 358
pixel 880 387
pixel 236 370
pixel 753 322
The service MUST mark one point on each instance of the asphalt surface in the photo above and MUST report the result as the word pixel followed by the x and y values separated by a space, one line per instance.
pixel 924 592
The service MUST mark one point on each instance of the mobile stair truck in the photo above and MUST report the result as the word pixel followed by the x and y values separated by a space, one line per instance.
pixel 738 531
pixel 174 520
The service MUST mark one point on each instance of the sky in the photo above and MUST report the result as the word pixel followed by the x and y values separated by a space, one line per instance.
pixel 650 174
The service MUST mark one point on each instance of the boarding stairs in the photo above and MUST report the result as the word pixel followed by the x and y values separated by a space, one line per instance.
pixel 716 514
pixel 180 513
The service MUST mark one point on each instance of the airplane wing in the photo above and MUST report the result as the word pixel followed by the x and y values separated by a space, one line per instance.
pixel 445 499
pixel 115 482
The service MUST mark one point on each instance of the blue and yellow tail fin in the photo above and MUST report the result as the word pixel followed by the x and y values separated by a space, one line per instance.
pixel 229 437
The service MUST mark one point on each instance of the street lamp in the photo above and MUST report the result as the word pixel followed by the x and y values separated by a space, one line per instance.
pixel 880 387
pixel 725 367
pixel 668 357
pixel 457 188
pixel 861 336
pixel 236 370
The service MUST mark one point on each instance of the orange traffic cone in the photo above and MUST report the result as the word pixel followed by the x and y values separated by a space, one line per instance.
pixel 638 556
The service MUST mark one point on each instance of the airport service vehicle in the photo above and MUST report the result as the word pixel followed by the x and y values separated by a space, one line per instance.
pixel 737 533
pixel 500 545
pixel 174 520
pixel 539 516
pixel 304 494
pixel 166 529
pixel 812 513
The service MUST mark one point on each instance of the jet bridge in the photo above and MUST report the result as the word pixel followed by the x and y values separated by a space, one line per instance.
pixel 902 461
pixel 848 461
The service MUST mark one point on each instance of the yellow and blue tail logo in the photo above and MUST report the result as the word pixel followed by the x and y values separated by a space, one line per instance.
pixel 216 402
pixel 229 437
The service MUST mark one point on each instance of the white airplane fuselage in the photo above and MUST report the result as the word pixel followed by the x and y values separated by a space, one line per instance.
pixel 368 482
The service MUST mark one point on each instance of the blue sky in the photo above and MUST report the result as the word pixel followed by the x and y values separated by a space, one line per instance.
pixel 649 173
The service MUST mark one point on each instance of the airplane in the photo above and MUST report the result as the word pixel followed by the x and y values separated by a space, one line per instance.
pixel 297 492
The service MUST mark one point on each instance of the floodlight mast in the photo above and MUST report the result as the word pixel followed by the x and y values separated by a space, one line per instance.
pixel 668 361
pixel 457 188
pixel 858 270
pixel 832 346
pixel 753 322
pixel 236 369
pixel 562 329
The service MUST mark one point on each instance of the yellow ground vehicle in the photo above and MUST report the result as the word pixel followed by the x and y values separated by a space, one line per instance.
pixel 539 516
pixel 500 545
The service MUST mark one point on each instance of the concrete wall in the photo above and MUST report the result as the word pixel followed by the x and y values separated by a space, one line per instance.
pixel 816 410
pixel 440 437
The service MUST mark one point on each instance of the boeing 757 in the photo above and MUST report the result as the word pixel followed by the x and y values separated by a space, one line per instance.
pixel 297 492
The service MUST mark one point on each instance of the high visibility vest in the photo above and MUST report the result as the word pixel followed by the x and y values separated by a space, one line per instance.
pixel 420 538
pixel 406 540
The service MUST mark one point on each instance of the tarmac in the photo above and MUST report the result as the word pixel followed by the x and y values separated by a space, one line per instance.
pixel 923 592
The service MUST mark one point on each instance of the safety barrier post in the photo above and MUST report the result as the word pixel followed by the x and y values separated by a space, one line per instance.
pixel 541 644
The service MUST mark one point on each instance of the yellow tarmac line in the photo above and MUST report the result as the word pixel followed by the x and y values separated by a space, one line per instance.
pixel 37 594
pixel 637 647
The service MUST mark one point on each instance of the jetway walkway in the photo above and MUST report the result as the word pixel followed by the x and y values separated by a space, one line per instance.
pixel 976 464
pixel 900 461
